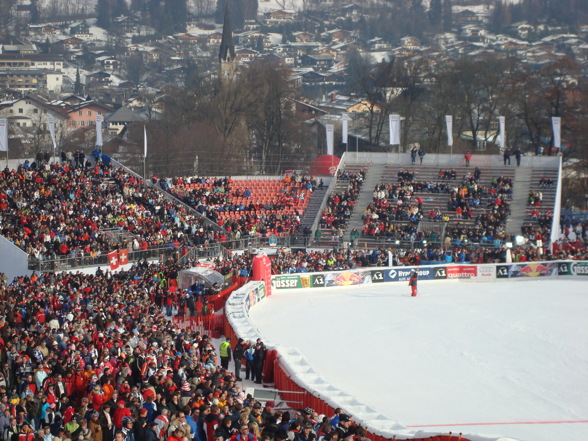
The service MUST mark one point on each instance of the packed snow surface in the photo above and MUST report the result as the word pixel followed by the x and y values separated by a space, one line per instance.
pixel 498 359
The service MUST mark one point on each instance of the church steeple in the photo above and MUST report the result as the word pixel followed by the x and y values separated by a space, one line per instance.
pixel 227 47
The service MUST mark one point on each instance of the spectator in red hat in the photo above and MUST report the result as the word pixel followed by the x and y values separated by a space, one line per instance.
pixel 121 412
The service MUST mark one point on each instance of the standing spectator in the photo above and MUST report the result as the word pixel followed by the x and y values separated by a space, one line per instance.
pixel 413 155
pixel 249 361
pixel 238 354
pixel 421 154
pixel 518 155
pixel 258 358
pixel 467 157
pixel 506 156
pixel 225 353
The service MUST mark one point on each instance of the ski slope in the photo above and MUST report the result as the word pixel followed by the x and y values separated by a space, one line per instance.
pixel 505 359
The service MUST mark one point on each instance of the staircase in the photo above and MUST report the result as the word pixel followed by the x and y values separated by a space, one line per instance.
pixel 310 214
pixel 373 177
pixel 520 194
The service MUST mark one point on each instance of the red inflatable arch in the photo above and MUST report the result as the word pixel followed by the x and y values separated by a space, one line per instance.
pixel 324 165
pixel 262 270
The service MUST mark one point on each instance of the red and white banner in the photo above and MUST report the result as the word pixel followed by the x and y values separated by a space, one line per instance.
pixel 123 257
pixel 394 121
pixel 113 260
pixel 462 271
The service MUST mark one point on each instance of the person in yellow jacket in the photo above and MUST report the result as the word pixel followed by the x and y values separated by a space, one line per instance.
pixel 225 352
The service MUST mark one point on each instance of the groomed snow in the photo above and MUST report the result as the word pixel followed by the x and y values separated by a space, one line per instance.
pixel 461 357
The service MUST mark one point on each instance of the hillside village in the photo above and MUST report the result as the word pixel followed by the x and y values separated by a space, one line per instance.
pixel 74 70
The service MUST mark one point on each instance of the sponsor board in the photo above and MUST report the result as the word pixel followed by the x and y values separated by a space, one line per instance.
pixel 255 296
pixel 377 276
pixel 539 269
pixel 580 268
pixel 403 274
pixel 486 271
pixel 318 281
pixel 564 269
pixel 502 272
pixel 440 273
pixel 286 282
pixel 462 271
pixel 348 278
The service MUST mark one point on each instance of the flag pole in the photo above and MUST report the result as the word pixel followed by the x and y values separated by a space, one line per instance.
pixel 144 152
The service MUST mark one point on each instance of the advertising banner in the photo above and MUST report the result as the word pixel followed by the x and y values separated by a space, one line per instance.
pixel 486 271
pixel 440 272
pixel 377 276
pixel 286 281
pixel 254 296
pixel 540 269
pixel 462 271
pixel 348 278
pixel 403 274
pixel 580 268
pixel 565 269
pixel 318 281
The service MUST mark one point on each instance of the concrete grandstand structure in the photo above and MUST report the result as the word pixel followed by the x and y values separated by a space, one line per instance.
pixel 293 213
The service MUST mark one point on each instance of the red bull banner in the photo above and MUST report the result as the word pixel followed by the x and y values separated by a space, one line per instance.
pixel 531 269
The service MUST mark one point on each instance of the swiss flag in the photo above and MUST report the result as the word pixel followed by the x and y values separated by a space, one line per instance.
pixel 123 257
pixel 113 260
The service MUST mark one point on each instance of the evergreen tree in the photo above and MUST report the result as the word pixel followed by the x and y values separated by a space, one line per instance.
pixel 103 17
pixel 46 46
pixel 35 13
pixel 447 16
pixel 78 87
pixel 436 13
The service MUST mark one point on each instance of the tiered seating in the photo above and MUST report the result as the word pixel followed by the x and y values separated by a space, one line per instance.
pixel 473 208
pixel 58 212
pixel 540 204
pixel 340 204
pixel 249 206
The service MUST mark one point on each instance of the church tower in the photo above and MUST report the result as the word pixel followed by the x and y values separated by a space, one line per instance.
pixel 226 55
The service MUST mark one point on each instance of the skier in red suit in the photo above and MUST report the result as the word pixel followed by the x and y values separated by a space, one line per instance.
pixel 412 282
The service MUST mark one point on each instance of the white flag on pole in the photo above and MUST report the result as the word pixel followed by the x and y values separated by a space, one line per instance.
pixel 502 134
pixel 344 121
pixel 394 121
pixel 556 125
pixel 51 124
pixel 99 130
pixel 144 141
pixel 3 135
pixel 449 127
pixel 330 139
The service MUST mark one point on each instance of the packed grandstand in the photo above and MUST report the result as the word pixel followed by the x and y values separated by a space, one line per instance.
pixel 94 353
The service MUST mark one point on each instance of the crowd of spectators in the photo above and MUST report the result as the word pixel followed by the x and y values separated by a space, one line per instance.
pixel 340 205
pixel 92 357
pixel 60 211
pixel 253 216
pixel 397 208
